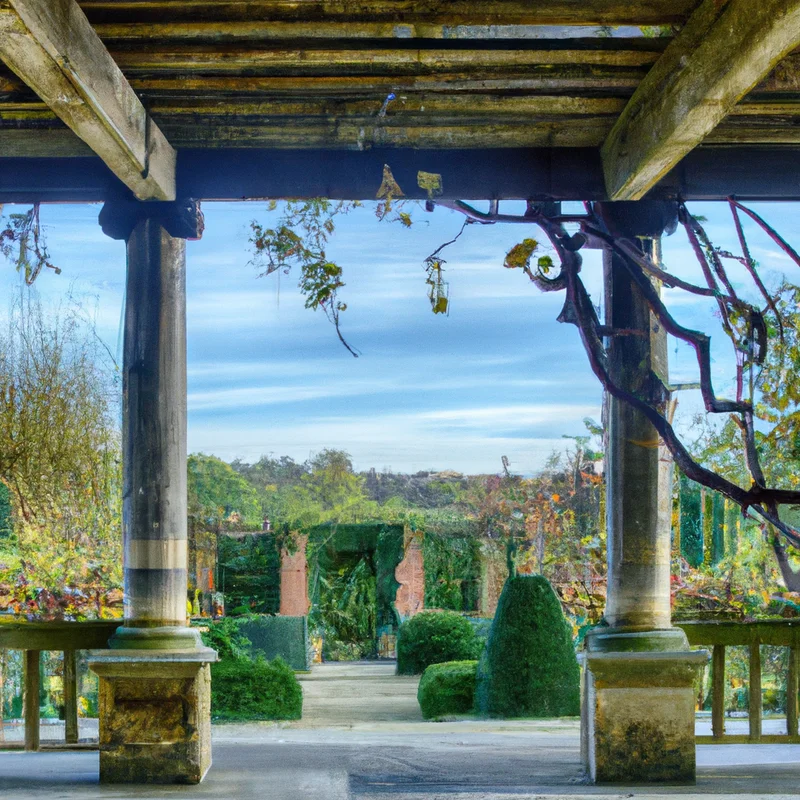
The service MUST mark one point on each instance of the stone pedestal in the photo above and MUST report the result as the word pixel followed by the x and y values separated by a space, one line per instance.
pixel 637 711
pixel 155 715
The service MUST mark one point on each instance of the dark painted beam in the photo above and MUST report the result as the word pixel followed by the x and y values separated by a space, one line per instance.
pixel 751 173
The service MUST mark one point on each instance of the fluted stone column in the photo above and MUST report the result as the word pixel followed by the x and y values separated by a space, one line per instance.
pixel 155 681
pixel 639 674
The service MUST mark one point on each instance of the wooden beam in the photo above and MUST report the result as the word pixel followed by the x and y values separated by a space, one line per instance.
pixel 564 173
pixel 401 12
pixel 51 46
pixel 725 49
pixel 161 58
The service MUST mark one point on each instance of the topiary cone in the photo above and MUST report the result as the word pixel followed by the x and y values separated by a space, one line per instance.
pixel 528 668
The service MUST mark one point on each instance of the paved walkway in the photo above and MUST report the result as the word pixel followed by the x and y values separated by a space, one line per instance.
pixel 362 737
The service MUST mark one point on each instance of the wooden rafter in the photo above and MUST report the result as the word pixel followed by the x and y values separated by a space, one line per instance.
pixel 51 46
pixel 725 49
pixel 402 12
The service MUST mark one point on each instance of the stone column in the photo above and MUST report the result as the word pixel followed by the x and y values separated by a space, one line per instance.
pixel 154 682
pixel 639 674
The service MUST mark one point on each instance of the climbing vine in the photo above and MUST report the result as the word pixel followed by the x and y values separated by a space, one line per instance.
pixel 22 242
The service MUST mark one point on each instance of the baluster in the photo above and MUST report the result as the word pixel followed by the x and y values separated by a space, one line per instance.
pixel 791 691
pixel 755 691
pixel 718 691
pixel 30 700
pixel 70 697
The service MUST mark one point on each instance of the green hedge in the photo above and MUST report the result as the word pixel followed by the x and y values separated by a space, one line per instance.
pixel 529 668
pixel 286 637
pixel 433 637
pixel 245 689
pixel 447 689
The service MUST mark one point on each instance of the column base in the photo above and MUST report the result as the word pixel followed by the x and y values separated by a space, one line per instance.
pixel 155 715
pixel 638 713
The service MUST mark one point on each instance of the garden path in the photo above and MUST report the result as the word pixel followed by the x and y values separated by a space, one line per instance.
pixel 343 694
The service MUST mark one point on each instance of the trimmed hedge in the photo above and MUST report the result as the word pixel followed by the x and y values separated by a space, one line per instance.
pixel 270 637
pixel 447 689
pixel 433 637
pixel 244 689
pixel 529 668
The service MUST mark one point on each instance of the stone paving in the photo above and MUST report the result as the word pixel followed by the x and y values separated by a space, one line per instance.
pixel 362 737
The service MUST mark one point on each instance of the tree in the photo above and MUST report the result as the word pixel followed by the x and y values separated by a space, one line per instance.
pixel 60 464
pixel 219 495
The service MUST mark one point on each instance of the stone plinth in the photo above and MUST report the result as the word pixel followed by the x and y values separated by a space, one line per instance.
pixel 155 715
pixel 638 714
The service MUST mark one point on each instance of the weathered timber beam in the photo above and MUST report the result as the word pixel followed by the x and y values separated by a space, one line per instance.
pixel 261 30
pixel 547 78
pixel 344 133
pixel 724 50
pixel 228 173
pixel 160 58
pixel 450 12
pixel 51 46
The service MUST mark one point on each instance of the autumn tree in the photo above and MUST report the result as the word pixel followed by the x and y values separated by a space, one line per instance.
pixel 60 464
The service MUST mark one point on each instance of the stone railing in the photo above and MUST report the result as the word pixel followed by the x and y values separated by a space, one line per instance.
pixel 67 637
pixel 718 636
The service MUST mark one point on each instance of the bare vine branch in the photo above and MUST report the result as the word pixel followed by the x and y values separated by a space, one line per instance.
pixel 742 322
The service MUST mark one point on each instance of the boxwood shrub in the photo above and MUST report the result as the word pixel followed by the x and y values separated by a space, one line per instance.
pixel 245 688
pixel 433 637
pixel 528 668
pixel 447 689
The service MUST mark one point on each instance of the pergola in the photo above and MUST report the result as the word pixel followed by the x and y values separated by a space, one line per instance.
pixel 152 105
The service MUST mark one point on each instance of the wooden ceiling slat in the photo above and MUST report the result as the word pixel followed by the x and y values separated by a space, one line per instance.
pixel 450 12
pixel 333 61
pixel 557 79
pixel 267 31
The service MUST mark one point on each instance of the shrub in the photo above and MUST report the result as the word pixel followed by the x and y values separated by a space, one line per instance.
pixel 244 689
pixel 529 667
pixel 225 636
pixel 447 689
pixel 433 637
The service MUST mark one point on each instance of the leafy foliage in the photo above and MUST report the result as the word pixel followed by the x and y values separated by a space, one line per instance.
pixel 447 689
pixel 245 689
pixel 60 461
pixel 220 496
pixel 433 637
pixel 225 636
pixel 249 574
pixel 22 242
pixel 528 668
pixel 299 238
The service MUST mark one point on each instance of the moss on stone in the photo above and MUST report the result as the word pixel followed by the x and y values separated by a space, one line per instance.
pixel 529 668
pixel 447 689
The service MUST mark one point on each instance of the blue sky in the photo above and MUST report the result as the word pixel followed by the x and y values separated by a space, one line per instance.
pixel 498 376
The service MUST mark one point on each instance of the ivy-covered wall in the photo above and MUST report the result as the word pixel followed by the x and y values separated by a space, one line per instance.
pixel 352 585
pixel 452 562
pixel 249 573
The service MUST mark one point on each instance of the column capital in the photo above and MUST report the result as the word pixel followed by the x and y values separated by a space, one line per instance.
pixel 181 219
pixel 644 219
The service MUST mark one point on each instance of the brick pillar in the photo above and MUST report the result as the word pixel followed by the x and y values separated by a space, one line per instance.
pixel 294 581
pixel 410 574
